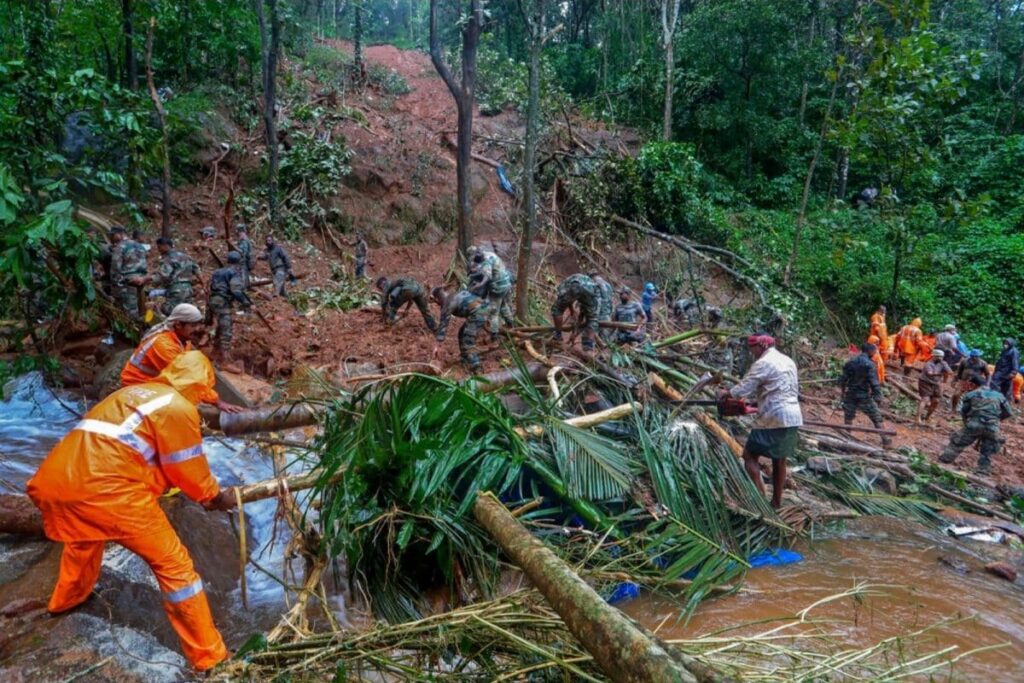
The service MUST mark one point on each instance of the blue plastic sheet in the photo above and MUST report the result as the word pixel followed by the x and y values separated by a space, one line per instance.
pixel 504 182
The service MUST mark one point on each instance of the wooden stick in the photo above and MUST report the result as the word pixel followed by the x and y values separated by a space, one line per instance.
pixel 586 421
pixel 850 428
pixel 969 503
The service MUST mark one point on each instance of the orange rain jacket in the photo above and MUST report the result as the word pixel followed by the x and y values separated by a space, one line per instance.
pixel 101 483
pixel 878 359
pixel 151 356
pixel 925 346
pixel 1018 386
pixel 907 339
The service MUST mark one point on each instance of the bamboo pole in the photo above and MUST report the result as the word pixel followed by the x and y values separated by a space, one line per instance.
pixel 626 652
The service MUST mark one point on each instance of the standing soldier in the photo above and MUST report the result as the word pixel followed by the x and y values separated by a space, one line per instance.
pixel 175 274
pixel 982 410
pixel 404 291
pixel 361 250
pixel 629 311
pixel 492 281
pixel 225 288
pixel 246 251
pixel 127 270
pixel 580 289
pixel 461 304
pixel 861 388
pixel 280 264
pixel 605 310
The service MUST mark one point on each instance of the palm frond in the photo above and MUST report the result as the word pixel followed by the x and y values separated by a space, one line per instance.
pixel 592 466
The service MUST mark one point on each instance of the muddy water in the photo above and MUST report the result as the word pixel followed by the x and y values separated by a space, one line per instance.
pixel 920 591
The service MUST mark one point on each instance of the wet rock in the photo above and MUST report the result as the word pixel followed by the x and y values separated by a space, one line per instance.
pixel 1003 570
pixel 881 481
pixel 21 606
pixel 957 565
pixel 18 554
pixel 821 465
pixel 108 379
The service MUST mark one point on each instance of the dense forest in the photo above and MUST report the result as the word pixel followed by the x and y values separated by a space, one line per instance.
pixel 854 152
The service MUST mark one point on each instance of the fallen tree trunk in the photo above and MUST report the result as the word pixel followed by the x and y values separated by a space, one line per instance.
pixel 586 421
pixel 624 651
pixel 18 515
pixel 850 428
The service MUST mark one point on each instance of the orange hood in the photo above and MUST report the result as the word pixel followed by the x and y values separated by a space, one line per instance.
pixel 191 375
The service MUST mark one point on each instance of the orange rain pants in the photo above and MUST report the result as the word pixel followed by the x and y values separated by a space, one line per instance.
pixel 878 358
pixel 153 354
pixel 1018 386
pixel 101 483
pixel 907 339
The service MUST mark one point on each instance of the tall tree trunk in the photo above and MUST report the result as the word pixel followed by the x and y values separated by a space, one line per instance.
pixel 357 39
pixel 464 96
pixel 165 185
pixel 801 218
pixel 625 651
pixel 842 172
pixel 269 46
pixel 668 30
pixel 535 26
pixel 131 69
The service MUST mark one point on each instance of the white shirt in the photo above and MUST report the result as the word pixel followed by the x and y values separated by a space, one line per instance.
pixel 772 380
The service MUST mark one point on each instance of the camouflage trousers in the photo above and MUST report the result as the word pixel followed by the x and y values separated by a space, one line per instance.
pixel 218 311
pixel 360 267
pixel 990 441
pixel 500 309
pixel 128 297
pixel 279 277
pixel 865 404
pixel 587 314
pixel 468 334
pixel 246 277
pixel 176 294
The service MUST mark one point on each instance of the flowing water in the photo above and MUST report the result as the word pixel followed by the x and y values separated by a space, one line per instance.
pixel 904 556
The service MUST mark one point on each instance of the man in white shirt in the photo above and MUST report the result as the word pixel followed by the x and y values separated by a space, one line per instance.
pixel 772 382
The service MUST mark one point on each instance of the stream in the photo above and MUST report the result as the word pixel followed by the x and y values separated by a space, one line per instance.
pixel 919 589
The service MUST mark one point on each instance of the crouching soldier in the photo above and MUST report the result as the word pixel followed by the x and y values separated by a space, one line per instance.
pixel 462 304
pixel 404 291
pixel 981 409
pixel 578 288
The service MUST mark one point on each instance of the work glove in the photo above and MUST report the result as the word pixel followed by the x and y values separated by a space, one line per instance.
pixel 225 500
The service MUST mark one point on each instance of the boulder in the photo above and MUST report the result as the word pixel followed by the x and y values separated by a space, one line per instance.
pixel 108 379
pixel 1003 570
pixel 881 481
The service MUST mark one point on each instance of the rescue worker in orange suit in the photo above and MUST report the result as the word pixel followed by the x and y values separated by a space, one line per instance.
pixel 1017 385
pixel 101 483
pixel 906 344
pixel 879 329
pixel 162 344
pixel 877 358
pixel 925 346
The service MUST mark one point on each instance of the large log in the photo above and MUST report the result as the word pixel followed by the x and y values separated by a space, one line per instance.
pixel 586 421
pixel 626 652
pixel 18 515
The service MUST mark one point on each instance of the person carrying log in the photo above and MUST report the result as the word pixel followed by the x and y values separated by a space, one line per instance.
pixel 578 288
pixel 878 329
pixel 929 384
pixel 773 380
pixel 861 389
pixel 101 484
pixel 403 291
pixel 982 410
pixel 629 311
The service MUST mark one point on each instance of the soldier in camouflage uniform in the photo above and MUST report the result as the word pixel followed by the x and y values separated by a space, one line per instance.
pixel 245 250
pixel 226 288
pixel 127 270
pixel 982 409
pixel 605 310
pixel 861 389
pixel 629 311
pixel 280 264
pixel 361 250
pixel 462 304
pixel 404 291
pixel 175 274
pixel 491 280
pixel 580 289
